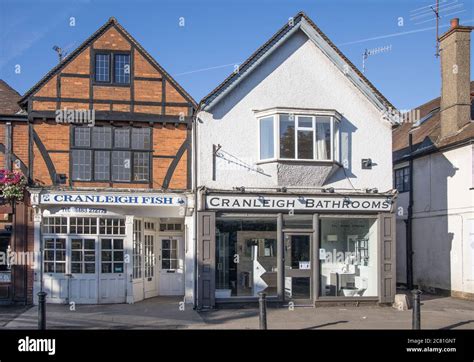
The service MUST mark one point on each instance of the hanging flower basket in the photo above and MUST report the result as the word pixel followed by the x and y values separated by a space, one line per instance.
pixel 12 185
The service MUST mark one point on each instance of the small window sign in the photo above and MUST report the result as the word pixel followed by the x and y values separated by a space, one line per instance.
pixel 322 254
pixel 305 265
pixel 5 277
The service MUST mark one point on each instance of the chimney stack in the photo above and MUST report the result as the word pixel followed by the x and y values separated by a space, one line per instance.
pixel 455 78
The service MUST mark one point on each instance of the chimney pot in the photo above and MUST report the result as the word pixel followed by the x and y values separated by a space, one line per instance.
pixel 454 23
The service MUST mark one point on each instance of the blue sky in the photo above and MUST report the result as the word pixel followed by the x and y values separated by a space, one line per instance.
pixel 220 33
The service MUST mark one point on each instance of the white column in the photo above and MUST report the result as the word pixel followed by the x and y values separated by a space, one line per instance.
pixel 189 242
pixel 128 248
pixel 38 258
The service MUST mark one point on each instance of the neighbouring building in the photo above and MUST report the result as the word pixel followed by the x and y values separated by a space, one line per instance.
pixel 294 179
pixel 16 284
pixel 109 157
pixel 434 173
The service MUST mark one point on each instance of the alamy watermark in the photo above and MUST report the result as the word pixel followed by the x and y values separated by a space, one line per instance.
pixel 75 116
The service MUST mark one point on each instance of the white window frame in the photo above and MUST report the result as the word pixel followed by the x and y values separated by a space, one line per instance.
pixel 275 113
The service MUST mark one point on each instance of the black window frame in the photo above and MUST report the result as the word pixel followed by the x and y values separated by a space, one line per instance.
pixel 112 81
pixel 399 179
pixel 132 151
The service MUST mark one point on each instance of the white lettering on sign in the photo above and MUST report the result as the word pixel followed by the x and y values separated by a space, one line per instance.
pixel 352 203
pixel 112 199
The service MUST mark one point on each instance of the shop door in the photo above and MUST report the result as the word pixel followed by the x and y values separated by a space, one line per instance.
pixel 83 283
pixel 55 279
pixel 298 282
pixel 112 288
pixel 151 289
pixel 170 263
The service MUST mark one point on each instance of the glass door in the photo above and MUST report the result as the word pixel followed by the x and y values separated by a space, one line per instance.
pixel 298 282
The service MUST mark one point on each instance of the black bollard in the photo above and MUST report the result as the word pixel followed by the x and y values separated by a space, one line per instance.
pixel 262 301
pixel 42 310
pixel 416 317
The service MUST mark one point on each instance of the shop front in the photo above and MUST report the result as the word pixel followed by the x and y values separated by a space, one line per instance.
pixel 303 249
pixel 109 247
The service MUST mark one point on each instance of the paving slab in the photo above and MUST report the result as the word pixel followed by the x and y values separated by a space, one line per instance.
pixel 164 313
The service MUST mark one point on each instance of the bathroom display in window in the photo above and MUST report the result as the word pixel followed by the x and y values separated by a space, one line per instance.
pixel 246 257
pixel 348 257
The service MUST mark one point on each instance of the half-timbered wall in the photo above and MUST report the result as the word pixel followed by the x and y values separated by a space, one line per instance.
pixel 151 99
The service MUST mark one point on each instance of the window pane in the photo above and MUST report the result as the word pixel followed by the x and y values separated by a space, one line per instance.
pixel 354 274
pixel 254 241
pixel 102 137
pixel 141 166
pixel 306 122
pixel 287 136
pixel 323 138
pixel 122 138
pixel 140 138
pixel 102 165
pixel 336 141
pixel 82 136
pixel 122 68
pixel 121 166
pixel 266 138
pixel 81 165
pixel 305 145
pixel 102 67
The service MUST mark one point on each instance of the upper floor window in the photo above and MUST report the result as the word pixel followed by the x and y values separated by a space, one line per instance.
pixel 402 179
pixel 115 154
pixel 288 136
pixel 112 68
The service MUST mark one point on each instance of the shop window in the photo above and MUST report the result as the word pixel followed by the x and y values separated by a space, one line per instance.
pixel 111 226
pixel 83 225
pixel 348 257
pixel 55 225
pixel 112 256
pixel 5 267
pixel 149 225
pixel 171 227
pixel 297 221
pixel 246 256
pixel 169 254
pixel 300 137
pixel 54 255
pixel 83 256
pixel 111 154
pixel 137 249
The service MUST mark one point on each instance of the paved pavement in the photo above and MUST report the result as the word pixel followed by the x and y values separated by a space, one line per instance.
pixel 10 312
pixel 165 313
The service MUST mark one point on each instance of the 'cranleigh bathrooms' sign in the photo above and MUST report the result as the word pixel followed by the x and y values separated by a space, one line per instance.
pixel 286 203
pixel 130 199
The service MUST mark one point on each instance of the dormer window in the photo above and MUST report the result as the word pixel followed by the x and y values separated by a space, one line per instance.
pixel 292 135
pixel 112 68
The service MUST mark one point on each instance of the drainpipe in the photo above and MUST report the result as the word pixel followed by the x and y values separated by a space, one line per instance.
pixel 195 190
pixel 409 220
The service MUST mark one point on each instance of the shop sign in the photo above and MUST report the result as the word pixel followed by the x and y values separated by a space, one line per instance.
pixel 130 199
pixel 293 203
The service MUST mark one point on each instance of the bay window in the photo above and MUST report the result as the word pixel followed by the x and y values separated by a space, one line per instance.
pixel 287 136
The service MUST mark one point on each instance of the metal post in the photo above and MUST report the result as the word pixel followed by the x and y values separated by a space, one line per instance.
pixel 42 310
pixel 416 317
pixel 262 301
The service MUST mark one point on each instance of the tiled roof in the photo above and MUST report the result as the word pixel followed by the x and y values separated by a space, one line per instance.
pixel 426 136
pixel 8 99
